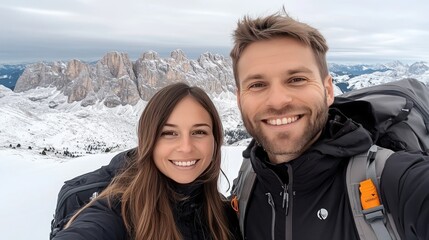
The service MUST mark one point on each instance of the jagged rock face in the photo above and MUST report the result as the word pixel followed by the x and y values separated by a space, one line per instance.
pixel 154 73
pixel 116 80
pixel 76 68
pixel 219 70
pixel 79 89
pixel 124 90
pixel 79 79
pixel 115 75
pixel 211 72
pixel 41 75
pixel 118 64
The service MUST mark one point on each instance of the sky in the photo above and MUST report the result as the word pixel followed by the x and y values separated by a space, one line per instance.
pixel 357 31
pixel 30 185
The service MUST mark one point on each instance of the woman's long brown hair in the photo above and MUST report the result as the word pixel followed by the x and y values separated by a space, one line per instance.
pixel 143 190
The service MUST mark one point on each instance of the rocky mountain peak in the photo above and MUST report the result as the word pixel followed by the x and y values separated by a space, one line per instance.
pixel 178 55
pixel 41 75
pixel 150 55
pixel 118 64
pixel 75 68
pixel 116 80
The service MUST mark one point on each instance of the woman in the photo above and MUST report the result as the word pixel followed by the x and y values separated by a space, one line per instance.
pixel 169 188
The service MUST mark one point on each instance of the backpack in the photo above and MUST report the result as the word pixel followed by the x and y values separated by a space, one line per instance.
pixel 395 113
pixel 397 116
pixel 79 191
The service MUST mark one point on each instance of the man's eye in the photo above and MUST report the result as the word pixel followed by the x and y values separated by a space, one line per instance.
pixel 256 85
pixel 298 80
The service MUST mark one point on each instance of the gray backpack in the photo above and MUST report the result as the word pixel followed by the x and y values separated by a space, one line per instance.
pixel 396 113
pixel 397 116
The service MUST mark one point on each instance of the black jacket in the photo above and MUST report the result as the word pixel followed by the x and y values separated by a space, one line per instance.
pixel 103 222
pixel 307 197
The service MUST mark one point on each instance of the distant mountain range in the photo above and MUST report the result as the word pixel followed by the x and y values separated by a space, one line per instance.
pixel 349 77
pixel 116 80
pixel 82 104
pixel 154 68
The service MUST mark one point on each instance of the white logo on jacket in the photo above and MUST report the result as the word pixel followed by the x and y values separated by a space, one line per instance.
pixel 322 214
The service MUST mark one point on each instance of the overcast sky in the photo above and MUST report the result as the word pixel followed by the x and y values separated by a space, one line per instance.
pixel 357 31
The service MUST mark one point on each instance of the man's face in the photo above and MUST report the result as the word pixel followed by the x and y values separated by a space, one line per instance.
pixel 282 98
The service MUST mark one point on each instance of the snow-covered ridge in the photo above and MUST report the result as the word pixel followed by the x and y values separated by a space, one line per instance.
pixel 43 116
pixel 350 77
pixel 43 120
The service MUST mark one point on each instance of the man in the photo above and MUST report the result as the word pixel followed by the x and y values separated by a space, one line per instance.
pixel 301 147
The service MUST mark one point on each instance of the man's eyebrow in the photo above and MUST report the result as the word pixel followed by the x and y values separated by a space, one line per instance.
pixel 252 77
pixel 256 76
pixel 299 70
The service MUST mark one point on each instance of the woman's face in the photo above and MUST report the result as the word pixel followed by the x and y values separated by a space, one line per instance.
pixel 186 145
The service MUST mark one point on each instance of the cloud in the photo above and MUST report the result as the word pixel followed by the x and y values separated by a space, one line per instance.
pixel 44 12
pixel 367 28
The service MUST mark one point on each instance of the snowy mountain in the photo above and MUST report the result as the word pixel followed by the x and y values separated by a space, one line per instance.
pixel 79 80
pixel 77 108
pixel 349 77
pixel 116 80
pixel 43 120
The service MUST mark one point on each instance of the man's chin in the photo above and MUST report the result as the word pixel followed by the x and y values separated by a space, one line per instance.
pixel 281 151
pixel 279 147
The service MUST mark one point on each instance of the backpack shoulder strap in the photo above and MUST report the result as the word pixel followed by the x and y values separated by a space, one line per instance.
pixel 241 190
pixel 370 223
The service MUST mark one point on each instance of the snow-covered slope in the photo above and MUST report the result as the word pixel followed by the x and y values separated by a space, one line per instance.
pixel 41 118
pixel 30 184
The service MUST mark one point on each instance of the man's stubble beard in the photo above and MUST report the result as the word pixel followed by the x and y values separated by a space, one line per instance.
pixel 277 145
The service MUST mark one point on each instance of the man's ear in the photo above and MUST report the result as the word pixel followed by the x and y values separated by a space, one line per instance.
pixel 329 89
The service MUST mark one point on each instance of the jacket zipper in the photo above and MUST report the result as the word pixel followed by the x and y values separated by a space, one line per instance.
pixel 273 214
pixel 286 204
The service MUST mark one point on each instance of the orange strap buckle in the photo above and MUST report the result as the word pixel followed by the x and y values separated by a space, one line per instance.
pixel 234 204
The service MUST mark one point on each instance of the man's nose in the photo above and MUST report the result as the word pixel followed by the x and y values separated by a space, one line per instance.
pixel 278 96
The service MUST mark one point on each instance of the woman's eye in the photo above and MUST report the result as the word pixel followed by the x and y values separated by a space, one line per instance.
pixel 168 133
pixel 199 132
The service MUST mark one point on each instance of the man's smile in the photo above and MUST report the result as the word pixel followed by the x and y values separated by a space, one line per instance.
pixel 281 121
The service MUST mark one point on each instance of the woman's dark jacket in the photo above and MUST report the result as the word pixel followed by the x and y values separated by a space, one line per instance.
pixel 307 197
pixel 103 222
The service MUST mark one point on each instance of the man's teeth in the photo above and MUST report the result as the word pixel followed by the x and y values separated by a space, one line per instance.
pixel 184 163
pixel 282 121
